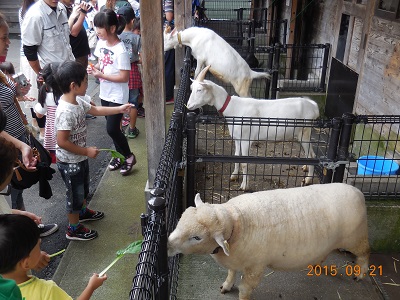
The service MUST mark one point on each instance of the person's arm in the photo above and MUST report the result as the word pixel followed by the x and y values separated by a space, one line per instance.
pixel 35 218
pixel 94 282
pixel 64 142
pixel 77 18
pixel 107 111
pixel 27 154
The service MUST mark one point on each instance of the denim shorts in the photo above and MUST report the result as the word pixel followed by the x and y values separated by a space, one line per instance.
pixel 76 179
pixel 134 97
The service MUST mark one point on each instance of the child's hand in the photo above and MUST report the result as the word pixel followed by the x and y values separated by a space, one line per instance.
pixel 95 72
pixel 92 152
pixel 95 281
pixel 126 108
pixel 43 261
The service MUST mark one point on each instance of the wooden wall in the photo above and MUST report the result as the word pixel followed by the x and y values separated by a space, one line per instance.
pixel 379 89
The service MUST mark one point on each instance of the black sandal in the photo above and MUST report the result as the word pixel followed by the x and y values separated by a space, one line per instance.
pixel 127 166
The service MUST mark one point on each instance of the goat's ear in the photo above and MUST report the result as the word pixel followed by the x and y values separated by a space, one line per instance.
pixel 219 238
pixel 197 200
pixel 173 31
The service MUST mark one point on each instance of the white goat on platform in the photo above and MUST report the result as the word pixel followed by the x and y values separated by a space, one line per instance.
pixel 210 49
pixel 206 92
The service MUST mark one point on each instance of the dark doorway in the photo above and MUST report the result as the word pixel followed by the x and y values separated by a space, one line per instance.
pixel 341 45
pixel 341 89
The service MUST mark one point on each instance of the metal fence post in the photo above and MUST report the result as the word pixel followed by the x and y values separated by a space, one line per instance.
pixel 158 205
pixel 343 149
pixel 190 169
pixel 332 150
pixel 275 70
pixel 177 116
pixel 322 84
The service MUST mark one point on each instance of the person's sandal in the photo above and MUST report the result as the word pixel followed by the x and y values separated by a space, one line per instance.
pixel 127 166
pixel 115 164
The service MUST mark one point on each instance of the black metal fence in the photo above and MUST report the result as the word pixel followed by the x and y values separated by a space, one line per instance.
pixel 156 275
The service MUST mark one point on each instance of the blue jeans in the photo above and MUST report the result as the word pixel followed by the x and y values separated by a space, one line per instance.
pixel 134 97
pixel 76 179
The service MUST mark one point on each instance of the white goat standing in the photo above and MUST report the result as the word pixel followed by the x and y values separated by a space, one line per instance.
pixel 206 92
pixel 210 49
pixel 284 229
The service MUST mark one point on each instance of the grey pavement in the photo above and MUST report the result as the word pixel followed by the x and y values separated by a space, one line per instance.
pixel 123 200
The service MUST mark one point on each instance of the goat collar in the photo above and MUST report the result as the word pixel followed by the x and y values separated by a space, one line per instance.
pixel 179 38
pixel 227 100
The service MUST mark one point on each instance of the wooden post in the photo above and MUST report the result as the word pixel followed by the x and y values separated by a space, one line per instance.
pixel 153 82
pixel 292 27
pixel 183 20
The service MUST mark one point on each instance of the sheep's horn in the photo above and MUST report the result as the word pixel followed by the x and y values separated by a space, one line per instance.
pixel 202 74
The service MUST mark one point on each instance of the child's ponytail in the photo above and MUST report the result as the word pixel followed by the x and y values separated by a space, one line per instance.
pixel 49 83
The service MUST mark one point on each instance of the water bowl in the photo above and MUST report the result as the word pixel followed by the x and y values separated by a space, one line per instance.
pixel 376 165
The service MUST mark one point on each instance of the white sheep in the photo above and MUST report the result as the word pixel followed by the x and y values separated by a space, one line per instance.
pixel 210 49
pixel 206 92
pixel 285 229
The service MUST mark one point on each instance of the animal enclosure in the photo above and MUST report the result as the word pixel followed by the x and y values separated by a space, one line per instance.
pixel 198 157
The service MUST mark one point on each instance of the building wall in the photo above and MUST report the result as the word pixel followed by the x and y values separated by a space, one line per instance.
pixel 379 89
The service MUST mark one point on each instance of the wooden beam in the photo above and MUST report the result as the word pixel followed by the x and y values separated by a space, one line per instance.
pixel 153 82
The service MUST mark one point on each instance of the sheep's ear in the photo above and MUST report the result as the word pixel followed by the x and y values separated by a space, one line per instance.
pixel 197 200
pixel 222 243
pixel 173 31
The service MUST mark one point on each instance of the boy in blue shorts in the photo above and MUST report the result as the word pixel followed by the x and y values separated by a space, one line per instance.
pixel 71 151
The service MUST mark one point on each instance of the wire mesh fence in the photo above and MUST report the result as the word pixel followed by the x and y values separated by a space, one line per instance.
pixel 272 163
pixel 374 156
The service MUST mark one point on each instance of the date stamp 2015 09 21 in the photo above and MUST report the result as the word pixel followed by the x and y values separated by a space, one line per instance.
pixel 348 270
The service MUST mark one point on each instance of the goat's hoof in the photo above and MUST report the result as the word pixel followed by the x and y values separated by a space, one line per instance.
pixel 243 188
pixel 304 168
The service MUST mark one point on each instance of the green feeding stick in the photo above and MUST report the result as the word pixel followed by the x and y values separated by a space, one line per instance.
pixel 132 249
pixel 115 154
pixel 57 253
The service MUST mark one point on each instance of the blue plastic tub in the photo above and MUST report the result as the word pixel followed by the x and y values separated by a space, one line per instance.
pixel 376 165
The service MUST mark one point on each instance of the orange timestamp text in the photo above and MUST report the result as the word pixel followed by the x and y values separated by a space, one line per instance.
pixel 346 270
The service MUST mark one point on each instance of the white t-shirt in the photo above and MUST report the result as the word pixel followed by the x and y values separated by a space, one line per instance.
pixel 72 117
pixel 111 60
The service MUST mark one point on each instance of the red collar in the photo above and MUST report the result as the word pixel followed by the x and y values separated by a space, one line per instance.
pixel 228 99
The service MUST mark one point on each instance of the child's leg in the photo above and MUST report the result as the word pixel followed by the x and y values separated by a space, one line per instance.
pixel 133 99
pixel 75 177
pixel 113 130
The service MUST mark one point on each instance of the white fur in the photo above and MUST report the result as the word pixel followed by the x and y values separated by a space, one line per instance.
pixel 207 92
pixel 286 229
pixel 210 49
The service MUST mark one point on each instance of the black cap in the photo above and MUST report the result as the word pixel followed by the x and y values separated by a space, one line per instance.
pixel 127 12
